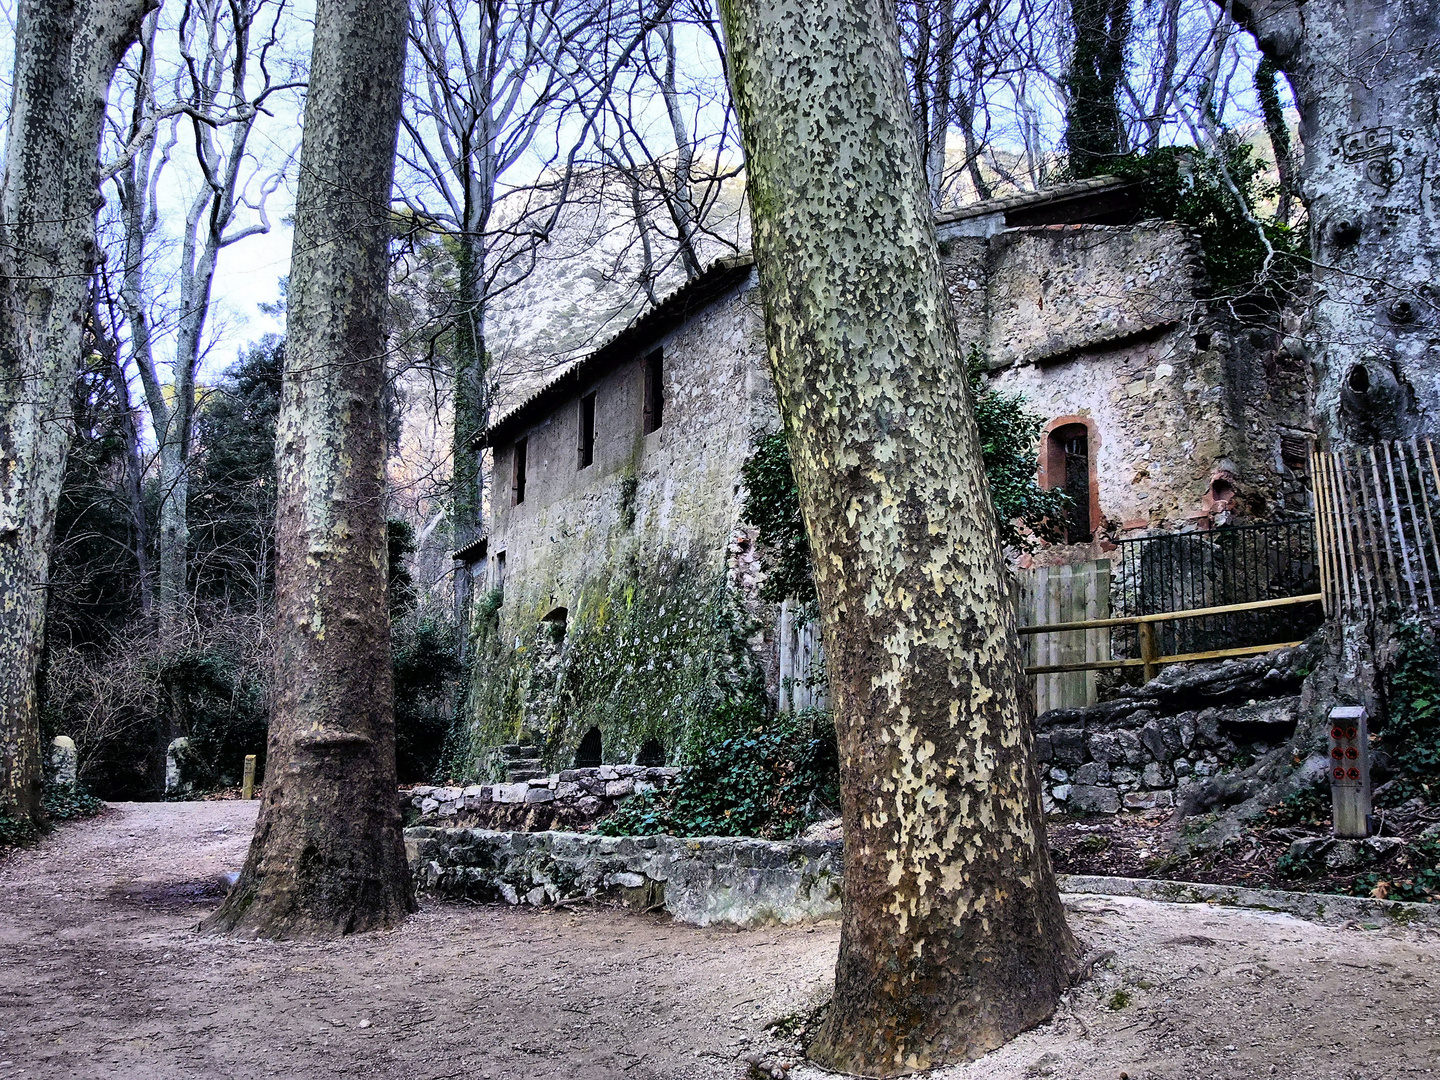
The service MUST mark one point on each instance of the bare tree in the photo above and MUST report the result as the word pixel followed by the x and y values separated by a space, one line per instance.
pixel 953 938
pixel 225 78
pixel 486 93
pixel 328 856
pixel 66 52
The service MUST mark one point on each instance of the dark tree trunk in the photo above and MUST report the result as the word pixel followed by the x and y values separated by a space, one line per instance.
pixel 953 937
pixel 66 52
pixel 328 857
pixel 1094 131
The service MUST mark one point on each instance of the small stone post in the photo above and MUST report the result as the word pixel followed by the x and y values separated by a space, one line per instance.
pixel 1350 772
pixel 174 782
pixel 64 760
pixel 247 787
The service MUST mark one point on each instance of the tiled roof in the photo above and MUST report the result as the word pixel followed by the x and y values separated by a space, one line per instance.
pixel 695 295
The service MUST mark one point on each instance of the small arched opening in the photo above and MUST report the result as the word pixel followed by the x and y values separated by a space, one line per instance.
pixel 1067 464
pixel 652 754
pixel 587 755
pixel 554 624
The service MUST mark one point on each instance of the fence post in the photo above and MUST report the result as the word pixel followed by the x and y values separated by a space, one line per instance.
pixel 247 788
pixel 1147 650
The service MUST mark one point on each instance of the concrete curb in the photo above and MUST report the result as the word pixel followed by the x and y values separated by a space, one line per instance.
pixel 1317 907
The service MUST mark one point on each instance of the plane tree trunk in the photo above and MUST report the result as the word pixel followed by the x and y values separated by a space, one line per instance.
pixel 66 52
pixel 328 856
pixel 1364 74
pixel 953 938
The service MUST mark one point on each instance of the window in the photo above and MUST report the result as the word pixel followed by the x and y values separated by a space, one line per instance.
pixel 587 431
pixel 1067 467
pixel 587 756
pixel 498 584
pixel 517 480
pixel 654 392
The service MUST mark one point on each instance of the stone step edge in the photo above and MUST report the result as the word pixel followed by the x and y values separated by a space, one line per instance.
pixel 1316 907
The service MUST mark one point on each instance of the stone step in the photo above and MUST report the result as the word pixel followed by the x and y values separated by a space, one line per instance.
pixel 520 750
pixel 516 775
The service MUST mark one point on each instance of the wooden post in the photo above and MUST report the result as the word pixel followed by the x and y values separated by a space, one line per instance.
pixel 1350 772
pixel 247 788
pixel 1147 650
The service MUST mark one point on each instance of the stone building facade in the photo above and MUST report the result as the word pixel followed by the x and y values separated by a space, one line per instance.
pixel 621 618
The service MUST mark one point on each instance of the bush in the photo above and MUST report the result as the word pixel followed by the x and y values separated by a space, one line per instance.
pixel 769 782
pixel 1410 731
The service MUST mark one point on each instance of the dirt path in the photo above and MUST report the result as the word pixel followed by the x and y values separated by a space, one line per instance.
pixel 101 975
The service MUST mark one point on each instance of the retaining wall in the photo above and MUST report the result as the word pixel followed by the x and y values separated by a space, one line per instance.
pixel 735 881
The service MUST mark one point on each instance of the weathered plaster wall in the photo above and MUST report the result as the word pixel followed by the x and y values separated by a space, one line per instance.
pixel 638 548
pixel 1104 325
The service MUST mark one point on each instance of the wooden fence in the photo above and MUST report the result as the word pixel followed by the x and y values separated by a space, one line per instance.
pixel 1375 513
pixel 1064 594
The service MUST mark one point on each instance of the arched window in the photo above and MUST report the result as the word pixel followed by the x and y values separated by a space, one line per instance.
pixel 1067 465
pixel 652 753
pixel 587 756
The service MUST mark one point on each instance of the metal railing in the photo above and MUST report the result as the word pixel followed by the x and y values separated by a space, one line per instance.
pixel 1238 590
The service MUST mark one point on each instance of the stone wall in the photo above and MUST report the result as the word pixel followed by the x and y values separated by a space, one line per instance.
pixel 714 880
pixel 568 799
pixel 1146 748
pixel 629 591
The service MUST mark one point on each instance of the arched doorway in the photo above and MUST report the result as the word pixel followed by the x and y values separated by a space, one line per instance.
pixel 1068 464
pixel 587 755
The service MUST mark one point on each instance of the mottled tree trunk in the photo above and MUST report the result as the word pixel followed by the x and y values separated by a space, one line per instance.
pixel 1365 74
pixel 328 856
pixel 65 54
pixel 953 937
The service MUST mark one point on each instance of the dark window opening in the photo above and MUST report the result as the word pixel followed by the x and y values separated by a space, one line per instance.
pixel 554 625
pixel 587 755
pixel 499 583
pixel 654 392
pixel 1068 469
pixel 1295 453
pixel 587 431
pixel 517 484
pixel 652 754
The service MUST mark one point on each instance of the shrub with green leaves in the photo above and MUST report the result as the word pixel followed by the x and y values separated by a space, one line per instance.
pixel 769 782
pixel 1410 731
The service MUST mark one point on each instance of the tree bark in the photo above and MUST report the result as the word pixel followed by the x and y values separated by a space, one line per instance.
pixel 953 938
pixel 66 52
pixel 328 856
pixel 1364 74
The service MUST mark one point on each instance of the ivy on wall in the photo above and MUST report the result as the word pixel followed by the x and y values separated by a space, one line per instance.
pixel 659 652
pixel 1194 188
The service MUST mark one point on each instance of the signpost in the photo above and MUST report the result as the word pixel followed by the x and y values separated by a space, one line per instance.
pixel 1350 772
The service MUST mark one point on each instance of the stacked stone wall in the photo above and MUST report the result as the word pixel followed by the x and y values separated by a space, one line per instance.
pixel 733 881
pixel 1143 750
pixel 570 798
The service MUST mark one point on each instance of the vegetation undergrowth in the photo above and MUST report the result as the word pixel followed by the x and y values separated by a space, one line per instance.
pixel 770 781
pixel 63 802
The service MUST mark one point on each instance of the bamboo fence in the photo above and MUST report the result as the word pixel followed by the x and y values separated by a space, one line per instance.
pixel 1375 513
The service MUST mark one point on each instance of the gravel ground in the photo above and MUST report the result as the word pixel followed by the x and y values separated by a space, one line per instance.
pixel 102 975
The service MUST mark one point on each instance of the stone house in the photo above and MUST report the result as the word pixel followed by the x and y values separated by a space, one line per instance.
pixel 621 619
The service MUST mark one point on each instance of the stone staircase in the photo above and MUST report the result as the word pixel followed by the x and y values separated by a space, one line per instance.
pixel 522 762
